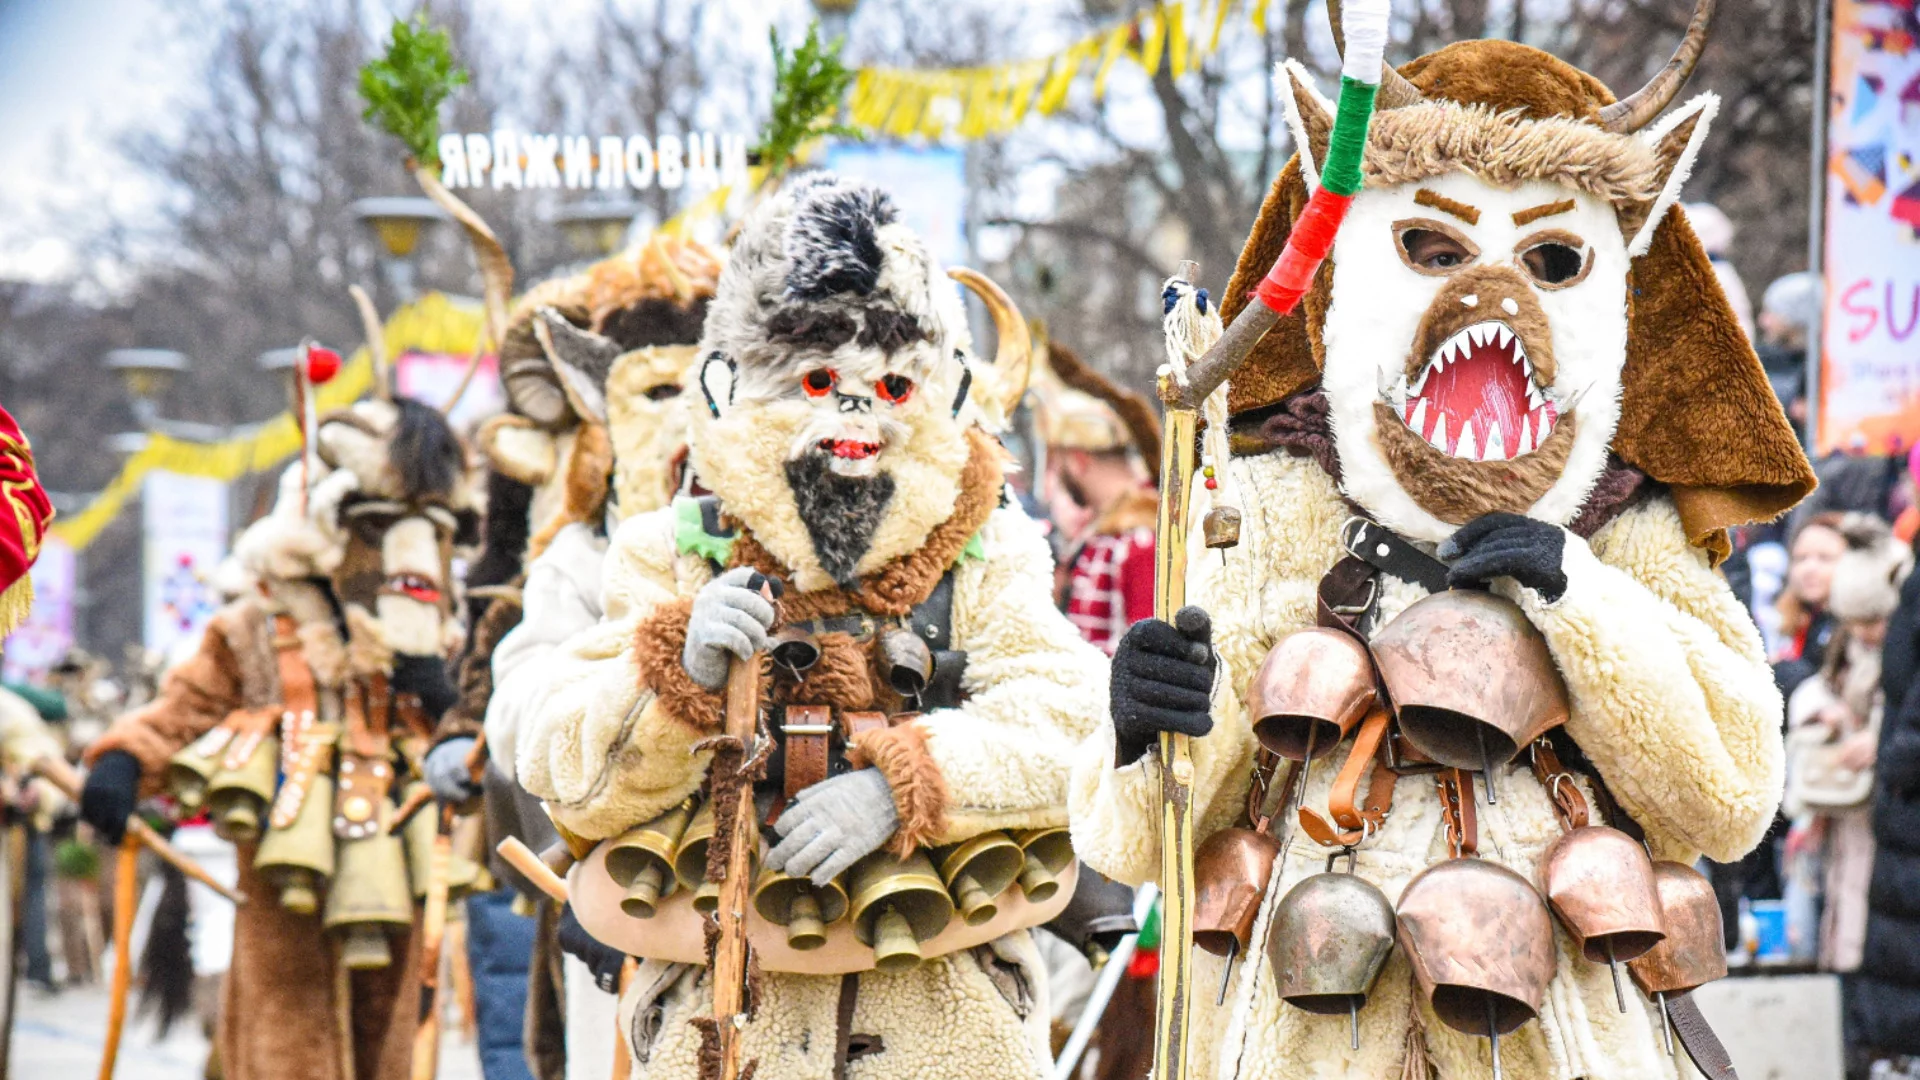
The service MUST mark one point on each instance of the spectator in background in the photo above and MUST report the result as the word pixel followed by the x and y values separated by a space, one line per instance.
pixel 1788 310
pixel 1805 624
pixel 1716 233
pixel 1835 719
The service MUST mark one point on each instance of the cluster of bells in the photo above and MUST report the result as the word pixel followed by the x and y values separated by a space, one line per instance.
pixel 1473 686
pixel 363 886
pixel 895 904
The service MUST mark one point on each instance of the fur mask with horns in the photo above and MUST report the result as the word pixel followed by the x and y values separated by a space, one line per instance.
pixel 1514 301
pixel 837 385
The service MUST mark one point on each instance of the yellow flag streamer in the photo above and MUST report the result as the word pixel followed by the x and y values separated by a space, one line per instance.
pixel 983 102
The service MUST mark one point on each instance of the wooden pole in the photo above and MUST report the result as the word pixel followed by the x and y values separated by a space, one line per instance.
pixel 433 931
pixel 730 950
pixel 62 775
pixel 126 895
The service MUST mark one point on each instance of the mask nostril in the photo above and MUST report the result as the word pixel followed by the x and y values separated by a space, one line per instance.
pixel 1509 306
pixel 1471 300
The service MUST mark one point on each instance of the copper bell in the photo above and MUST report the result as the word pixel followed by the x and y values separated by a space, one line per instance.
pixel 237 797
pixel 1230 873
pixel 297 858
pixel 805 909
pixel 640 860
pixel 794 649
pixel 1601 885
pixel 978 870
pixel 690 861
pixel 1480 942
pixel 1221 527
pixel 908 663
pixel 897 904
pixel 1047 851
pixel 1694 951
pixel 1331 936
pixel 1470 678
pixel 1313 688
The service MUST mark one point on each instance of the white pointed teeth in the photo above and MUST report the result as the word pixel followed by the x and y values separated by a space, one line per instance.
pixel 1418 421
pixel 1502 336
pixel 1438 439
pixel 1496 450
pixel 1525 445
pixel 1466 448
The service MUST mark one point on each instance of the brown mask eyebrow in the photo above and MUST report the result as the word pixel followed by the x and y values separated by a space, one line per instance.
pixel 1468 214
pixel 1534 213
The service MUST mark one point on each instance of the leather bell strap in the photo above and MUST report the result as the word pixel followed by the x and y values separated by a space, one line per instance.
pixel 1456 807
pixel 1697 1037
pixel 1357 821
pixel 1568 804
pixel 808 731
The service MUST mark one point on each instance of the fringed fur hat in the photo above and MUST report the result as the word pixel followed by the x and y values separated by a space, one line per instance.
pixel 1867 577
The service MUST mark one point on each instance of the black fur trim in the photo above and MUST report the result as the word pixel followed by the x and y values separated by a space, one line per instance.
pixel 841 513
pixel 966 381
pixel 507 529
pixel 888 329
pixel 425 453
pixel 805 326
pixel 166 964
pixel 832 244
pixel 655 322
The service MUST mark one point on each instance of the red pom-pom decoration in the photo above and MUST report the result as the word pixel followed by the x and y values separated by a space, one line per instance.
pixel 322 364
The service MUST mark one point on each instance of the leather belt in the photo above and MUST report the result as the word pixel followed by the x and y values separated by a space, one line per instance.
pixel 809 732
pixel 1696 1035
pixel 360 802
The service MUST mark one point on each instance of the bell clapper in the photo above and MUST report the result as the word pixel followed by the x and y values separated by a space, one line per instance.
pixel 1666 1023
pixel 1486 766
pixel 1226 970
pixel 1619 992
pixel 1353 1010
pixel 1493 1034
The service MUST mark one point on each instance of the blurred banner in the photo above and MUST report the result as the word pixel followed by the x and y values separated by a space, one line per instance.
pixel 433 377
pixel 1870 328
pixel 184 530
pixel 928 186
pixel 43 640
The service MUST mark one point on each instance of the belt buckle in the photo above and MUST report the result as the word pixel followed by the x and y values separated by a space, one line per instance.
pixel 1372 594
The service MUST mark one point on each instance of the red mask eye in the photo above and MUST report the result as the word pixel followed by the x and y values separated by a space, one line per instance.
pixel 819 382
pixel 894 388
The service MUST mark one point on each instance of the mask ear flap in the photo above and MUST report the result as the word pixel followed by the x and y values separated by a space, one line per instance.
pixel 1676 142
pixel 1309 118
pixel 717 375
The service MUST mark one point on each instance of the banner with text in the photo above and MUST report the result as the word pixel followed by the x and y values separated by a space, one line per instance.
pixel 184 526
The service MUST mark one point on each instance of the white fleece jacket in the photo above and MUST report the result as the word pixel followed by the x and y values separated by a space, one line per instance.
pixel 561 597
pixel 1671 698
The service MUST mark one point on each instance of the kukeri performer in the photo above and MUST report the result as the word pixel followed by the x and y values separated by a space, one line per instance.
pixel 329 677
pixel 1485 472
pixel 925 695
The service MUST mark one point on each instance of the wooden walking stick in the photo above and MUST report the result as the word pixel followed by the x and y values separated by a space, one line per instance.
pixel 433 926
pixel 62 775
pixel 732 784
pixel 126 896
pixel 1184 391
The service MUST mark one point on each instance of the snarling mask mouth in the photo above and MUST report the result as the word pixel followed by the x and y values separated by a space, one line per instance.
pixel 1478 397
pixel 413 587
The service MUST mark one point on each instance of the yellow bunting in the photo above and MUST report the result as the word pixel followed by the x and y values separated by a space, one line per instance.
pixel 1219 21
pixel 1110 51
pixel 1155 41
pixel 1177 41
pixel 1259 19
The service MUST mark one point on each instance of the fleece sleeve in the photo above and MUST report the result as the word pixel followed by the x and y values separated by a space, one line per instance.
pixel 1035 689
pixel 195 695
pixel 597 743
pixel 561 598
pixel 1670 693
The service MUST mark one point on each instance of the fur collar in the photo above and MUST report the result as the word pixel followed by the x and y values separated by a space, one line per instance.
pixel 897 587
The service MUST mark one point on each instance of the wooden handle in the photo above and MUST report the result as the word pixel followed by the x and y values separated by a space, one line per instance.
pixel 67 779
pixel 521 857
pixel 126 896
pixel 730 949
pixel 433 932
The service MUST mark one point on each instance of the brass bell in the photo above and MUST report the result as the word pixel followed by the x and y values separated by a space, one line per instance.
pixel 640 860
pixel 1230 872
pixel 1694 951
pixel 1048 851
pixel 897 904
pixel 1471 679
pixel 978 870
pixel 237 798
pixel 1312 689
pixel 369 896
pixel 1221 527
pixel 1601 885
pixel 1331 936
pixel 690 861
pixel 299 857
pixel 805 909
pixel 191 768
pixel 1480 942
pixel 463 873
pixel 908 662
pixel 794 649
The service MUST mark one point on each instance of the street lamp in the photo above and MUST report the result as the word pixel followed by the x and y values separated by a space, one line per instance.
pixel 597 228
pixel 396 221
pixel 834 16
pixel 146 373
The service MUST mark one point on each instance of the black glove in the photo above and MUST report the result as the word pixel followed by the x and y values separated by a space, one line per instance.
pixel 1507 545
pixel 110 794
pixel 603 960
pixel 1162 681
pixel 425 677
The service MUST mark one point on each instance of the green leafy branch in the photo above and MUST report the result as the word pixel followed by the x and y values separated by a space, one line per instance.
pixel 808 85
pixel 403 89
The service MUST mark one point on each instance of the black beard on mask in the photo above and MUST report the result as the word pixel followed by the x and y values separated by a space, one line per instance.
pixel 841 512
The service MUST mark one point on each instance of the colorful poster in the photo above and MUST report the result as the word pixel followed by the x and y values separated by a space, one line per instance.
pixel 43 640
pixel 1870 329
pixel 432 377
pixel 184 524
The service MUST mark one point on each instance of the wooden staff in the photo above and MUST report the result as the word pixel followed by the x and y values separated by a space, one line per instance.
pixel 126 895
pixel 521 857
pixel 62 775
pixel 433 930
pixel 730 950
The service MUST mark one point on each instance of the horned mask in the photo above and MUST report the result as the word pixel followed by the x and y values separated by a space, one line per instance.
pixel 1514 304
pixel 837 383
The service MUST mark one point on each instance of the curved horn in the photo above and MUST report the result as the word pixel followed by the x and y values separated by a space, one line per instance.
pixel 376 341
pixel 1636 110
pixel 496 271
pixel 1013 359
pixel 1395 91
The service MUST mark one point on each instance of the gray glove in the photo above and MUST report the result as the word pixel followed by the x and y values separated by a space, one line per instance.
pixel 446 769
pixel 729 617
pixel 834 824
